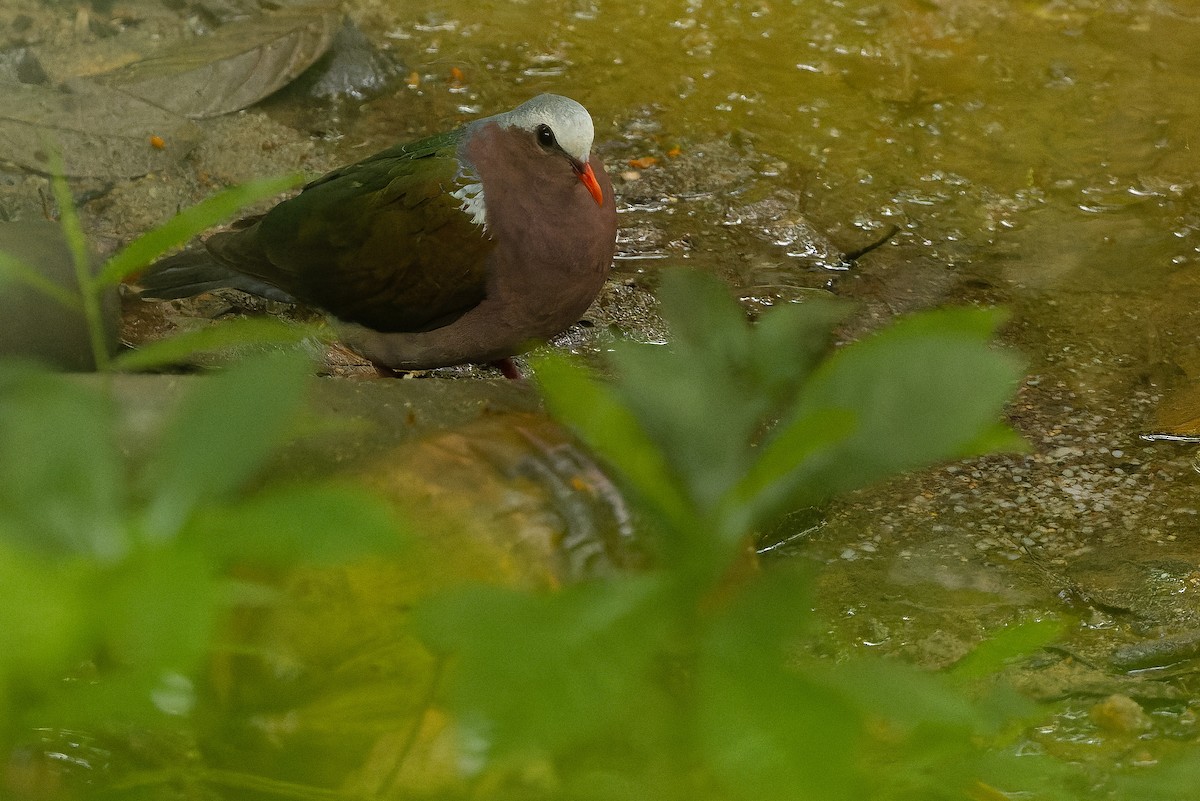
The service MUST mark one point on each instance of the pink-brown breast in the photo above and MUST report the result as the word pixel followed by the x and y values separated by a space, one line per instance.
pixel 554 244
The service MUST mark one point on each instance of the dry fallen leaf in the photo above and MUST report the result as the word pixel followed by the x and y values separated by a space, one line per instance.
pixel 235 67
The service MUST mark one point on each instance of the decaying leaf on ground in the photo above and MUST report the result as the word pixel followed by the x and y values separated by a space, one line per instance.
pixel 234 67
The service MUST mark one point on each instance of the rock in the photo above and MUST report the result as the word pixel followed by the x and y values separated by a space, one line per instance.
pixel 352 69
pixel 492 491
pixel 20 65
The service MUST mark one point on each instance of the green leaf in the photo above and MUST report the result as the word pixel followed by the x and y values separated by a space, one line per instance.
pixel 698 414
pixel 154 617
pixel 306 523
pixel 550 670
pixel 766 729
pixel 13 269
pixel 925 389
pixel 704 318
pixel 773 733
pixel 42 609
pixel 220 436
pixel 772 481
pixel 234 333
pixel 609 428
pixel 1175 780
pixel 907 697
pixel 696 399
pixel 704 399
pixel 996 438
pixel 62 483
pixel 158 609
pixel 789 341
pixel 126 698
pixel 930 738
pixel 1005 773
pixel 141 252
pixel 1006 644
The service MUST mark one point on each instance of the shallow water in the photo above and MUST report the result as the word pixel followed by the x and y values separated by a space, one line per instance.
pixel 1048 144
pixel 1034 154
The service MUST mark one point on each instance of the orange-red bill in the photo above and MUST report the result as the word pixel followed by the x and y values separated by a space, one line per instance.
pixel 588 178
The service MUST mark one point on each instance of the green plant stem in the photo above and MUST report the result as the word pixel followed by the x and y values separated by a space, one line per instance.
pixel 260 785
pixel 414 732
pixel 88 290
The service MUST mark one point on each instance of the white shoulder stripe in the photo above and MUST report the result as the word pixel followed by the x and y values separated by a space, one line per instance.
pixel 473 203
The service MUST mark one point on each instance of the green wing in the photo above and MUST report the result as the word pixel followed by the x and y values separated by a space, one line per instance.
pixel 382 242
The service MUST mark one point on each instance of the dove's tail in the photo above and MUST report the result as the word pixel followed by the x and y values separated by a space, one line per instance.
pixel 193 271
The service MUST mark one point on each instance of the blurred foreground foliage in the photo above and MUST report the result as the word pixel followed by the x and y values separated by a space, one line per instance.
pixel 119 570
pixel 113 579
pixel 689 680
